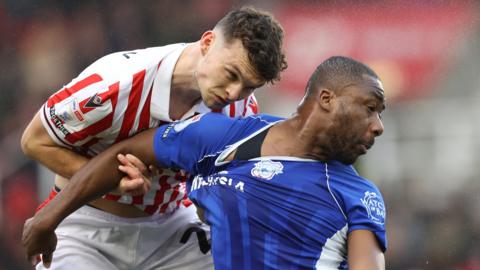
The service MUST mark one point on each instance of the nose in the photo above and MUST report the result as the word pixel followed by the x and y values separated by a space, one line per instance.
pixel 377 126
pixel 234 91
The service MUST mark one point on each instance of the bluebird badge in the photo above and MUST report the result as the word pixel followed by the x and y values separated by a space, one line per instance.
pixel 267 169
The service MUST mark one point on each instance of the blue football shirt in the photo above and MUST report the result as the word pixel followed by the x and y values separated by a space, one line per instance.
pixel 269 212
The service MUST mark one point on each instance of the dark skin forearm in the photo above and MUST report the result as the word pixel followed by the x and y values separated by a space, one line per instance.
pixel 96 178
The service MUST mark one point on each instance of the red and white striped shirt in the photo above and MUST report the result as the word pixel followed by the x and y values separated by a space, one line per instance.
pixel 116 97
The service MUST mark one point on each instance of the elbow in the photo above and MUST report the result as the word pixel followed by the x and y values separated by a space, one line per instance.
pixel 28 144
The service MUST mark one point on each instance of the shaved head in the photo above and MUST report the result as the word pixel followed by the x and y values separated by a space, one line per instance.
pixel 337 73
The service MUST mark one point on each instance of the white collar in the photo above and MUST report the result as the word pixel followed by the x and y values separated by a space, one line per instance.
pixel 160 101
pixel 229 149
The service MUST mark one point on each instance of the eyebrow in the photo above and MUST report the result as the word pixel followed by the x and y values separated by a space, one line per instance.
pixel 239 74
pixel 378 96
pixel 235 69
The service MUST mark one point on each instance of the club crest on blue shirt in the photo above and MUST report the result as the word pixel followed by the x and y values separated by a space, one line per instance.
pixel 374 206
pixel 267 169
pixel 180 125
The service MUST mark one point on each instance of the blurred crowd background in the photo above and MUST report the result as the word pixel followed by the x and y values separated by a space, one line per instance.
pixel 427 53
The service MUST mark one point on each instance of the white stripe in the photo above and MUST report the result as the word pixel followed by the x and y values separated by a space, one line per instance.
pixel 87 92
pixel 331 193
pixel 124 90
pixel 285 158
pixel 229 149
pixel 147 83
pixel 334 251
pixel 149 197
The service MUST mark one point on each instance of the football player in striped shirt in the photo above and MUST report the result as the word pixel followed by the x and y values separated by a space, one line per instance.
pixel 277 193
pixel 124 93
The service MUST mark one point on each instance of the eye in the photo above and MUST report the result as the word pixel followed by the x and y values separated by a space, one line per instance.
pixel 231 75
pixel 373 109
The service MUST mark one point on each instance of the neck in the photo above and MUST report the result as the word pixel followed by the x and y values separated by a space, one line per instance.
pixel 297 136
pixel 184 90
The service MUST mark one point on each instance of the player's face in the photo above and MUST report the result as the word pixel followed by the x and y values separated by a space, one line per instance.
pixel 357 120
pixel 225 74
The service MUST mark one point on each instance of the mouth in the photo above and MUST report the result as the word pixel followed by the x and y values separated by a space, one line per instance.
pixel 220 101
pixel 364 147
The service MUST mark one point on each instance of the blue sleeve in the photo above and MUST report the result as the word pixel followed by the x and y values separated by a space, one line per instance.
pixel 361 202
pixel 366 211
pixel 181 145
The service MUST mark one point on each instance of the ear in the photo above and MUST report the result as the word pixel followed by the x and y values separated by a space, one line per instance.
pixel 206 41
pixel 325 99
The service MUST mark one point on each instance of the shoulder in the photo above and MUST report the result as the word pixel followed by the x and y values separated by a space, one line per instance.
pixel 357 193
pixel 115 66
pixel 360 200
pixel 214 124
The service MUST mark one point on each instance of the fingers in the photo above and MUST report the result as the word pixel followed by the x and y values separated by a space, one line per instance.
pixel 131 172
pixel 128 185
pixel 123 160
pixel 47 259
pixel 136 162
pixel 133 161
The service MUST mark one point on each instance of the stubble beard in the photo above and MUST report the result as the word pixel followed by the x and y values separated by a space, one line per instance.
pixel 342 140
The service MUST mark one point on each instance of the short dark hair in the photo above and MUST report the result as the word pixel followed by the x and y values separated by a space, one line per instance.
pixel 337 72
pixel 262 37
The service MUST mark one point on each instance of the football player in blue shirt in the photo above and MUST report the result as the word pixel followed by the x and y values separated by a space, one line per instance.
pixel 277 193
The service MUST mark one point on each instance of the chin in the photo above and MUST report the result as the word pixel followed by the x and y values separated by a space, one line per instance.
pixel 349 160
pixel 215 106
pixel 210 103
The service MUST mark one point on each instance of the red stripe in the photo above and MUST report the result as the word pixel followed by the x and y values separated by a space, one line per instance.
pixel 101 125
pixel 176 190
pixel 254 106
pixel 137 199
pixel 232 110
pixel 144 122
pixel 112 197
pixel 186 201
pixel 244 106
pixel 172 198
pixel 66 92
pixel 151 209
pixel 132 107
pixel 52 195
pixel 164 186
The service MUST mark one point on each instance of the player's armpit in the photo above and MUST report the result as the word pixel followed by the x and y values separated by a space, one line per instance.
pixel 38 145
pixel 364 252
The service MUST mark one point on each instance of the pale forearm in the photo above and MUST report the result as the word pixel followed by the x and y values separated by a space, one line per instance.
pixel 60 160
